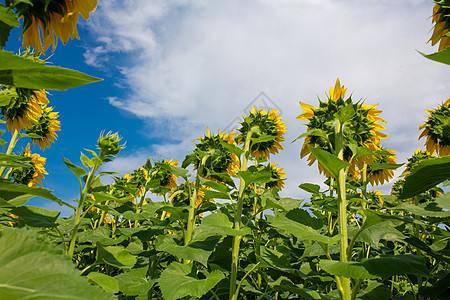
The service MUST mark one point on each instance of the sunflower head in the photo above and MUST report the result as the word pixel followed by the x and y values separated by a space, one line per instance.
pixel 159 173
pixel 33 175
pixel 216 158
pixel 437 130
pixel 109 145
pixel 441 31
pixel 379 176
pixel 182 198
pixel 362 129
pixel 24 107
pixel 45 127
pixel 278 176
pixel 268 132
pixel 43 24
pixel 415 159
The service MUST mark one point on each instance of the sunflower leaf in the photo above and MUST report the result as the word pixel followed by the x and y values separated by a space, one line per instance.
pixel 442 56
pixel 25 73
pixel 329 161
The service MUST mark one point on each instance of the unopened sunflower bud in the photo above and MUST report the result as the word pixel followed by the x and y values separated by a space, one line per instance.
pixel 109 145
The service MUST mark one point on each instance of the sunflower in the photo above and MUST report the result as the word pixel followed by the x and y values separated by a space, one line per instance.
pixel 379 176
pixel 437 130
pixel 165 177
pixel 30 176
pixel 43 25
pixel 270 129
pixel 182 198
pixel 441 18
pixel 363 129
pixel 220 160
pixel 45 127
pixel 24 108
pixel 278 176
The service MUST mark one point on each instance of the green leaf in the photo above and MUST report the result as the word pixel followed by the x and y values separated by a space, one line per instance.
pixel 108 283
pixel 329 161
pixel 198 250
pixel 429 210
pixel 426 174
pixel 144 234
pixel 213 184
pixel 135 282
pixel 78 171
pixel 385 230
pixel 14 161
pixel 33 268
pixel 259 176
pixel 300 231
pixel 284 284
pixel 385 166
pixel 313 132
pixel 8 20
pixel 216 224
pixel 378 267
pixel 115 256
pixel 273 259
pixel 345 114
pixel 6 186
pixel 310 188
pixel 174 170
pixel 177 281
pixel 37 216
pixel 25 73
pixel 232 148
pixel 86 161
pixel 442 56
pixel 100 235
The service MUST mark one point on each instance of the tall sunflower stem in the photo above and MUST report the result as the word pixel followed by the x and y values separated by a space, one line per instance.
pixel 237 218
pixel 342 209
pixel 78 218
pixel 192 200
pixel 11 146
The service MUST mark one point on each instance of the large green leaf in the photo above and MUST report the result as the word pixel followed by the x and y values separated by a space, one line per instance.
pixel 78 171
pixel 37 216
pixel 195 250
pixel 101 235
pixel 25 73
pixel 442 56
pixel 115 256
pixel 299 230
pixel 135 282
pixel 284 284
pixel 14 161
pixel 216 224
pixel 378 267
pixel 6 186
pixel 426 174
pixel 329 161
pixel 32 268
pixel 104 281
pixel 428 210
pixel 177 281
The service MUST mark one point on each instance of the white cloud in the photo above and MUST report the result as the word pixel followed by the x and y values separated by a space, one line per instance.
pixel 194 64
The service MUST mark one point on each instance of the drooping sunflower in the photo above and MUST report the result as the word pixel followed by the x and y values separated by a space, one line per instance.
pixel 24 108
pixel 270 128
pixel 381 175
pixel 46 127
pixel 164 176
pixel 220 160
pixel 363 129
pixel 278 176
pixel 33 175
pixel 182 198
pixel 437 130
pixel 441 18
pixel 45 23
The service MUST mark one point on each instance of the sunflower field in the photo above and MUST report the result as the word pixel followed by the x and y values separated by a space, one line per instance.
pixel 222 231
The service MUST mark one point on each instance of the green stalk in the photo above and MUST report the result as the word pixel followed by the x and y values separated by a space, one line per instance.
pixel 237 219
pixel 342 209
pixel 192 200
pixel 12 144
pixel 78 218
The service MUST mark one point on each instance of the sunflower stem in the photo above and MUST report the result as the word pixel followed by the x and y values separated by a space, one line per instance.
pixel 342 208
pixel 78 218
pixel 237 218
pixel 12 144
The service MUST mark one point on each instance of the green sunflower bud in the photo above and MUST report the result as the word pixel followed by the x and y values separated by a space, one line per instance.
pixel 109 145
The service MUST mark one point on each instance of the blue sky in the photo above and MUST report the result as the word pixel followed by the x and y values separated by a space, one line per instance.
pixel 172 68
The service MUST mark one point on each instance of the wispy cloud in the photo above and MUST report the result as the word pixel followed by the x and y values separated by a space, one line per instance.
pixel 192 64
